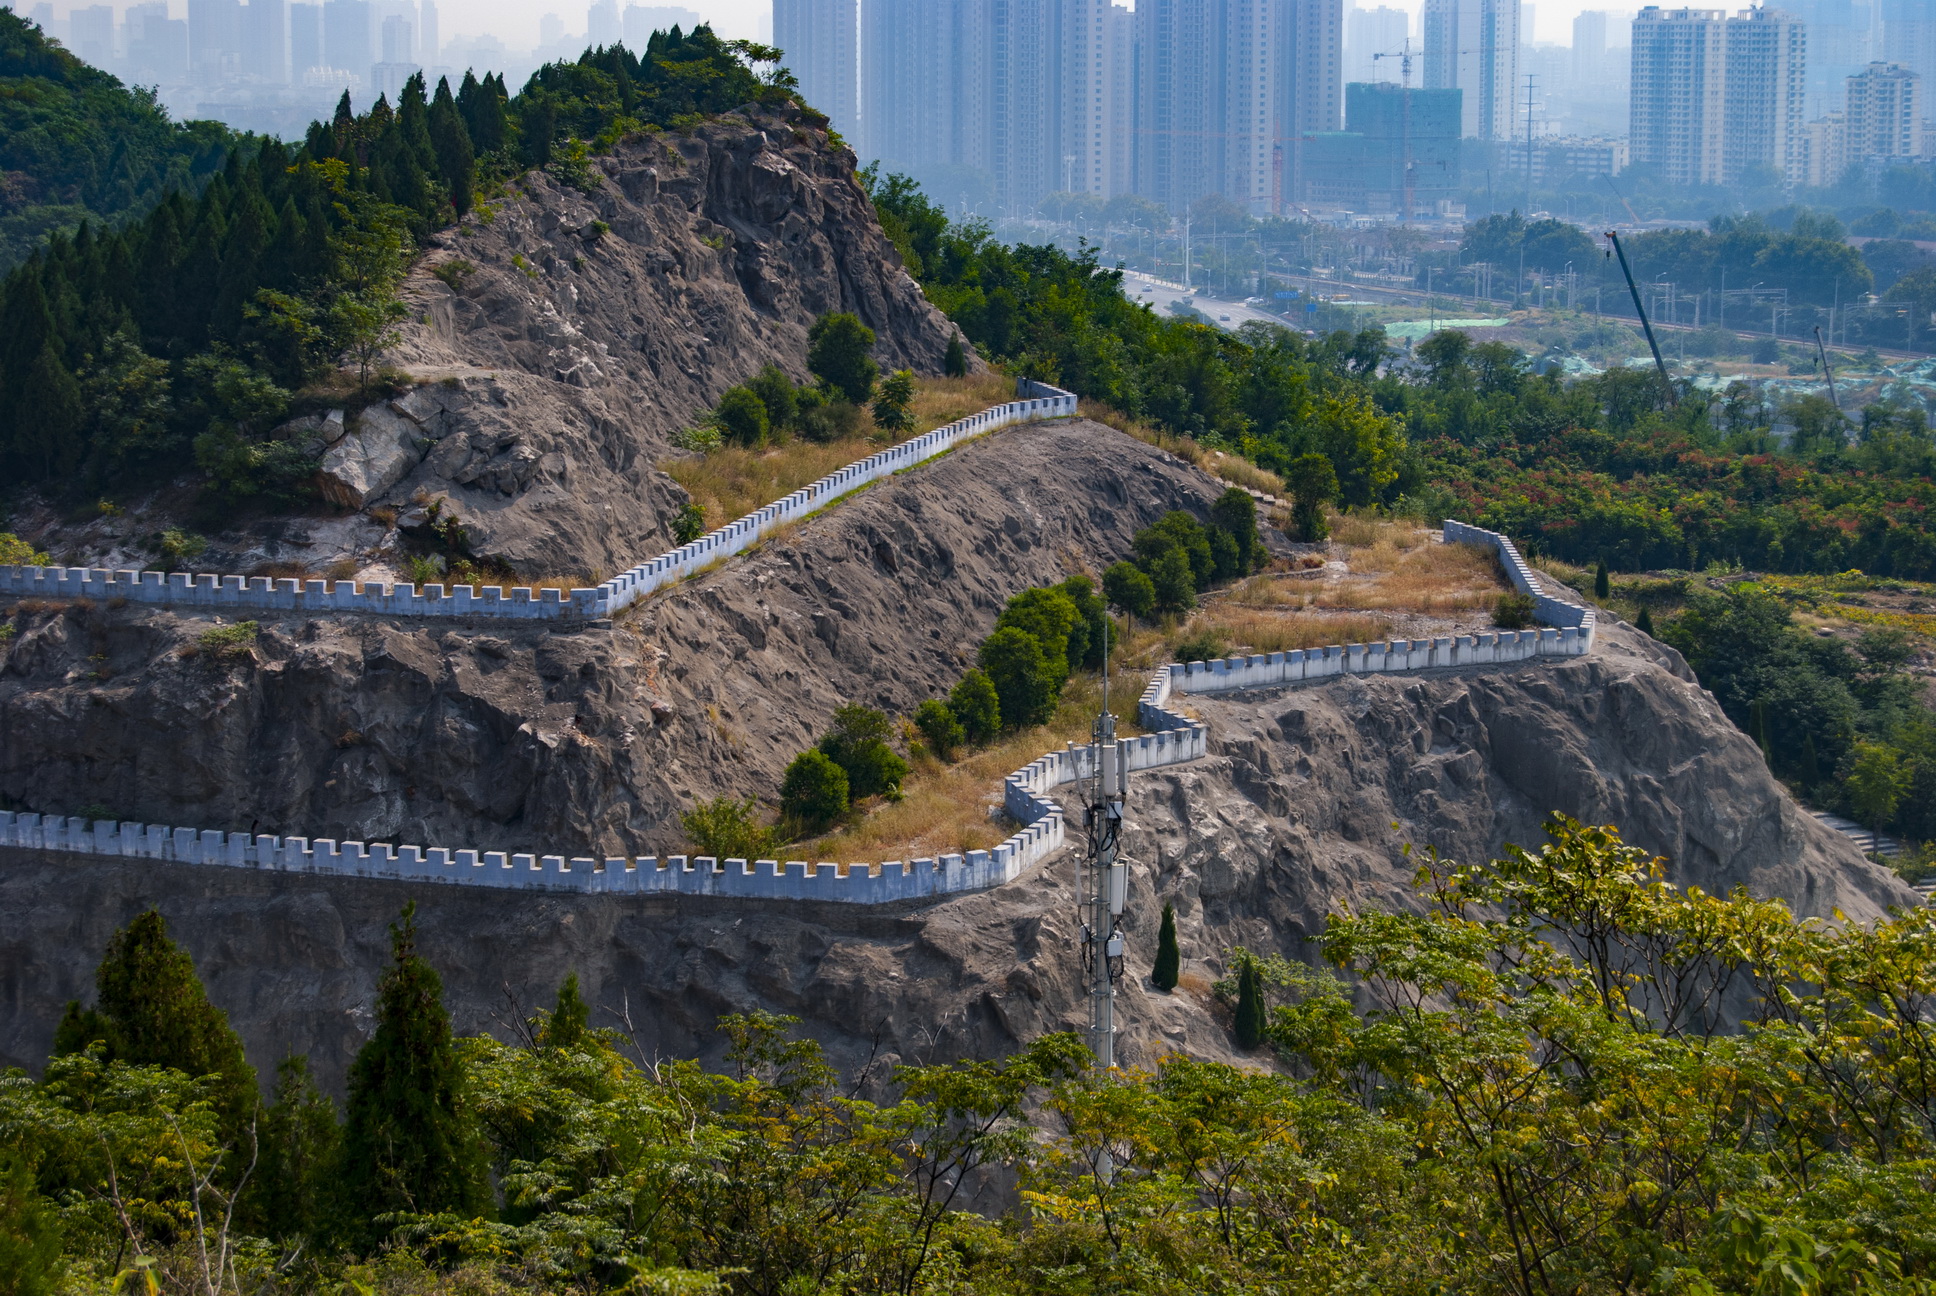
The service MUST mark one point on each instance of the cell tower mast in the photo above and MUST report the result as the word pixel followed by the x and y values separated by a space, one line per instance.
pixel 1106 887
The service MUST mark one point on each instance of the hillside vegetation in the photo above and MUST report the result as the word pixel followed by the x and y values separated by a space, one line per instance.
pixel 1533 1083
pixel 180 340
pixel 77 145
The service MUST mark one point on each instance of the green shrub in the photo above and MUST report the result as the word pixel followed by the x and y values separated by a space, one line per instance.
pixel 15 552
pixel 728 828
pixel 893 402
pixel 178 546
pixel 741 417
pixel 813 795
pixel 1203 644
pixel 777 393
pixel 976 705
pixel 955 362
pixel 858 744
pixel 454 272
pixel 688 524
pixel 222 642
pixel 1513 611
pixel 702 438
pixel 1015 665
pixel 828 420
pixel 838 348
pixel 1313 483
pixel 939 728
pixel 1234 516
pixel 1051 618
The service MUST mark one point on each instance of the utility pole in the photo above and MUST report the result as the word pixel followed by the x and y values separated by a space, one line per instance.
pixel 1108 885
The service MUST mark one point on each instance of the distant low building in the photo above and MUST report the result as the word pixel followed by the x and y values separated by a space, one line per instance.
pixel 1398 152
pixel 1559 157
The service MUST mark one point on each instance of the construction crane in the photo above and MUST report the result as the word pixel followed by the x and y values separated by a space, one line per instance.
pixel 1404 56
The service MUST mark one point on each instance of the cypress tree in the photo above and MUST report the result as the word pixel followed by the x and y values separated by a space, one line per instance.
pixel 1168 959
pixel 955 362
pixel 456 161
pixel 565 1027
pixel 49 423
pixel 299 1145
pixel 1250 1007
pixel 151 1010
pixel 1645 623
pixel 1602 586
pixel 409 1143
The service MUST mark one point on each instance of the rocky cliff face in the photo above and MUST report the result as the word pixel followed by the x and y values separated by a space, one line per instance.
pixel 520 738
pixel 566 332
pixel 1303 806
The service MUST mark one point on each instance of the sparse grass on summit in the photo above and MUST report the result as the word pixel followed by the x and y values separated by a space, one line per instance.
pixel 732 481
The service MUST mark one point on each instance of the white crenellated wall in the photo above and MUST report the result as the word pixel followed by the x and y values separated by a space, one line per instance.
pixel 1568 632
pixel 1172 739
pixel 262 594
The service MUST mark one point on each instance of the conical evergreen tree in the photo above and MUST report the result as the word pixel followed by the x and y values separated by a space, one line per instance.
pixel 456 162
pixel 565 1027
pixel 300 1144
pixel 955 362
pixel 47 427
pixel 409 1142
pixel 1645 622
pixel 1250 1007
pixel 151 1010
pixel 1168 960
pixel 1602 585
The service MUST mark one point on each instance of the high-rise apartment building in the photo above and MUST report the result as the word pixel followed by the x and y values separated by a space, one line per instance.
pixel 214 37
pixel 1179 102
pixel 1122 100
pixel 1714 97
pixel 821 41
pixel 1589 44
pixel 602 27
pixel 1909 36
pixel 1398 152
pixel 265 40
pixel 1843 36
pixel 430 39
pixel 347 33
pixel 1372 32
pixel 157 45
pixel 1766 96
pixel 1679 107
pixel 1309 46
pixel 1473 46
pixel 398 41
pixel 90 34
pixel 1884 116
pixel 305 40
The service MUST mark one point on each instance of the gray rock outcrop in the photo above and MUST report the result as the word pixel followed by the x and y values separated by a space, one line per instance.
pixel 565 335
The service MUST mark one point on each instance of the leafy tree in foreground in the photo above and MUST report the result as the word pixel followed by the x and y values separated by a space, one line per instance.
pixel 30 1234
pixel 410 1142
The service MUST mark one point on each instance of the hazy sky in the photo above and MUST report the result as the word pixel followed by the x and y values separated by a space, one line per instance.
pixel 515 22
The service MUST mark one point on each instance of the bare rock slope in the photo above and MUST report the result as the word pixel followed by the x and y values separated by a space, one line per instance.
pixel 568 332
pixel 1303 806
pixel 519 738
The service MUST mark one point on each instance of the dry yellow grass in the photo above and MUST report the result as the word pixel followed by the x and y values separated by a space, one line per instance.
pixel 1235 470
pixel 733 481
pixel 1426 578
pixel 1243 631
pixel 945 808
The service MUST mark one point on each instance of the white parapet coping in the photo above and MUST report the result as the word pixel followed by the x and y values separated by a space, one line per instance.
pixel 262 594
pixel 1171 739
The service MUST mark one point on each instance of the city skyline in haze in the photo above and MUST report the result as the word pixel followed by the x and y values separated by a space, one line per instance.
pixel 519 23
